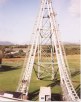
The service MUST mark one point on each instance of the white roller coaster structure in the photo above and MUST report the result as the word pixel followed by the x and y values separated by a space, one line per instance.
pixel 46 32
pixel 39 35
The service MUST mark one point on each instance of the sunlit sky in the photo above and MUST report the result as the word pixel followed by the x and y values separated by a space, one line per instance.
pixel 17 19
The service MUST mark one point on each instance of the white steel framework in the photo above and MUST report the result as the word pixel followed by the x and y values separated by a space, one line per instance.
pixel 46 38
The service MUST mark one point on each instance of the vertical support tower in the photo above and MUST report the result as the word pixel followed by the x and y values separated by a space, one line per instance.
pixel 46 44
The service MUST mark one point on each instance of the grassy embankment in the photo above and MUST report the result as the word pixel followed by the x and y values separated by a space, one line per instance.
pixel 10 74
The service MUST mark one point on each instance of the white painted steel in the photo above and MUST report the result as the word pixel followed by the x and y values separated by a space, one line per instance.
pixel 66 84
pixel 65 79
pixel 26 77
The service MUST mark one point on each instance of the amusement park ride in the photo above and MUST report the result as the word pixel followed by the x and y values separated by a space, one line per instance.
pixel 46 33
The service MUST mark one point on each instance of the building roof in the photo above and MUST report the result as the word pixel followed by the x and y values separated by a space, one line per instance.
pixel 45 90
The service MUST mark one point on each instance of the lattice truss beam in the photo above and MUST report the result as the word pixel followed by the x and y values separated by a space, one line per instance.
pixel 45 45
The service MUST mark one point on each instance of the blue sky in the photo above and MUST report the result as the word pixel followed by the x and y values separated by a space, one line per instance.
pixel 17 19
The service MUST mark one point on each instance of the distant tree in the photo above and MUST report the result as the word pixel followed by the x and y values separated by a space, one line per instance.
pixel 20 51
pixel 1 55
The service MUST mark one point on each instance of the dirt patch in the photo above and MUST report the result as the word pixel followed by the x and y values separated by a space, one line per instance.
pixel 12 59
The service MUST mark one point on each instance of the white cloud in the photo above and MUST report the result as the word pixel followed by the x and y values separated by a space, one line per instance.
pixel 74 8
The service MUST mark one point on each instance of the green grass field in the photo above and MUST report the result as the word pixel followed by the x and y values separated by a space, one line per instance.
pixel 11 69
